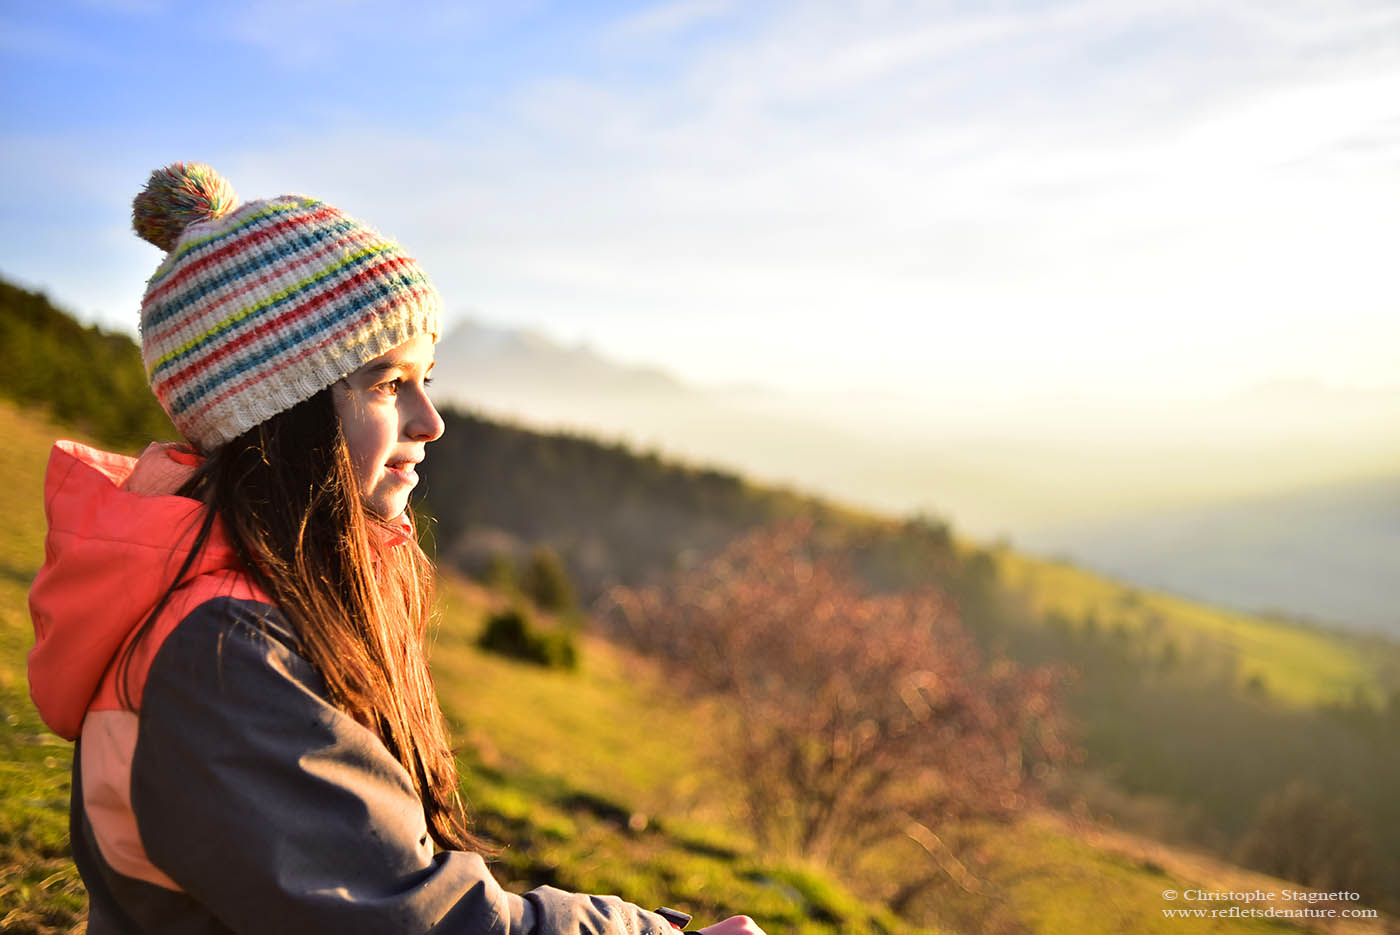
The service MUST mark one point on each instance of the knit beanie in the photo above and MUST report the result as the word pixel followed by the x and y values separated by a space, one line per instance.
pixel 259 306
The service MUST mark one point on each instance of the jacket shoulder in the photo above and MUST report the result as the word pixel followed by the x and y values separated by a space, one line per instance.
pixel 224 601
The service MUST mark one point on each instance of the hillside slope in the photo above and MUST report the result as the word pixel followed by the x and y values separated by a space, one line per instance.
pixel 1207 715
pixel 600 781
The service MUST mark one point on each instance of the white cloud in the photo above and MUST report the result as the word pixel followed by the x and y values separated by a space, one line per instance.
pixel 995 166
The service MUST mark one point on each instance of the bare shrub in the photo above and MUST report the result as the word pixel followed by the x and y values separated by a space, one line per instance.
pixel 853 718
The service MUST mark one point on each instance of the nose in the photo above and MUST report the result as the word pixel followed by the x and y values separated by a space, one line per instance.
pixel 424 424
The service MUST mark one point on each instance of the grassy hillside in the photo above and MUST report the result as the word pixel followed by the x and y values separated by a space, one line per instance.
pixel 1194 719
pixel 39 888
pixel 601 781
pixel 653 779
pixel 1299 666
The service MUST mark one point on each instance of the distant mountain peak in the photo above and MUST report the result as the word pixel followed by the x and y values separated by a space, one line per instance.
pixel 473 355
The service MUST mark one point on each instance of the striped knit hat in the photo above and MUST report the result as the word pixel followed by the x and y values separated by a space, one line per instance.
pixel 260 306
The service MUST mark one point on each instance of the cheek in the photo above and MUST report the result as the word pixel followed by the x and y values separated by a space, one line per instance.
pixel 360 448
pixel 365 438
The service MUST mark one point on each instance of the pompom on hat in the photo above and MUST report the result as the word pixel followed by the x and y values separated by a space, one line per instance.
pixel 259 306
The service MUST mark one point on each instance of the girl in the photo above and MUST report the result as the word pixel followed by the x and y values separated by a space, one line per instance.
pixel 233 630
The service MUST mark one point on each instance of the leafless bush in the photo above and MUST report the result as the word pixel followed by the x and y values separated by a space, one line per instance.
pixel 854 718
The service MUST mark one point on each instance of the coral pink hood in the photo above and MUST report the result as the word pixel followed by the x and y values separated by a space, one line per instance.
pixel 117 536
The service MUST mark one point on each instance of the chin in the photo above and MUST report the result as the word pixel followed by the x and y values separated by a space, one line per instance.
pixel 386 509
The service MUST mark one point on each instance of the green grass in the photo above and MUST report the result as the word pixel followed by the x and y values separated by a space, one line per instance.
pixel 1069 887
pixel 1298 665
pixel 40 891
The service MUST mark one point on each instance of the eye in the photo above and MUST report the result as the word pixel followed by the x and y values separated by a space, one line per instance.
pixel 389 387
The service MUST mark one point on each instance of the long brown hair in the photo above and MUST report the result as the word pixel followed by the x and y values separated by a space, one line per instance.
pixel 286 496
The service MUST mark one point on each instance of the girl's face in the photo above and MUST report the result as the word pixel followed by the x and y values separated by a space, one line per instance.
pixel 387 420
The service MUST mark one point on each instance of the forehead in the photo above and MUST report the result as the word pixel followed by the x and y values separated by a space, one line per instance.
pixel 414 354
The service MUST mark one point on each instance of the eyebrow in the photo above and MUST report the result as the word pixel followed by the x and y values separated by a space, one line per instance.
pixel 396 365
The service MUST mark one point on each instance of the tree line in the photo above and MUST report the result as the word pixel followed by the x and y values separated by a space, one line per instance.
pixel 81 375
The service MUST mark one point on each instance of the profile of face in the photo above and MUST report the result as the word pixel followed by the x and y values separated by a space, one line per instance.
pixel 388 420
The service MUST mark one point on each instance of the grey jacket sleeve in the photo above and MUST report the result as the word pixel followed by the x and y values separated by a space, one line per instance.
pixel 280 814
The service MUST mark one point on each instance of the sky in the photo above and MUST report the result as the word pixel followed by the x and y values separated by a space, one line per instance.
pixel 977 201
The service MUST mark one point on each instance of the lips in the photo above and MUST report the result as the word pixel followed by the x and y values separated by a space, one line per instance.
pixel 404 469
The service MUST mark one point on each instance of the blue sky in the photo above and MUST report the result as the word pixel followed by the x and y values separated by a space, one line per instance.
pixel 1152 199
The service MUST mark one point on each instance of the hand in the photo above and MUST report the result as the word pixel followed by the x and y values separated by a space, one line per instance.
pixel 734 925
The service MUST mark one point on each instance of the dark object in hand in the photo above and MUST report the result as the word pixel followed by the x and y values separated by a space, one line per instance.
pixel 677 918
